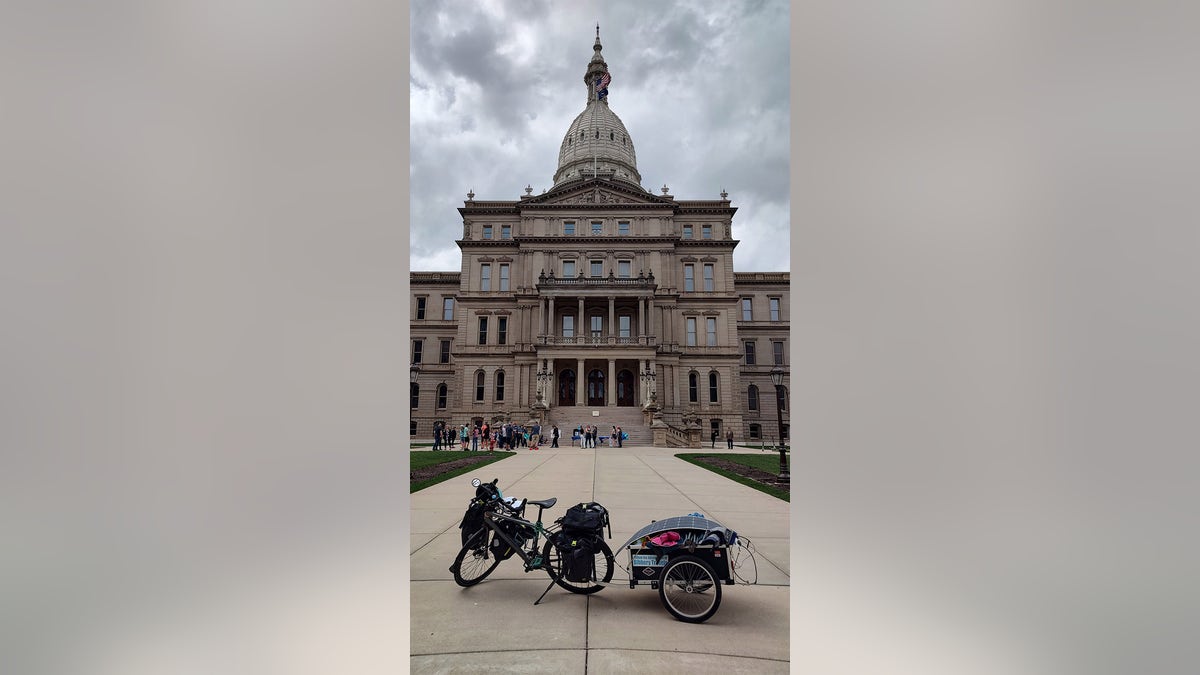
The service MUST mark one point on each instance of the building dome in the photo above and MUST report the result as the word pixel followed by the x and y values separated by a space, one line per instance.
pixel 597 142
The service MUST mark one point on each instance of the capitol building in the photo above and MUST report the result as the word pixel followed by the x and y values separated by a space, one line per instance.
pixel 600 302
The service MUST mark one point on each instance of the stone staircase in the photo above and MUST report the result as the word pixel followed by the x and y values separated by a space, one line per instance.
pixel 629 419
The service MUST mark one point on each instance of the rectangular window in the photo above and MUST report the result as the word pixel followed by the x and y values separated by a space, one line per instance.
pixel 483 330
pixel 689 278
pixel 687 231
pixel 710 324
pixel 708 277
pixel 691 331
pixel 755 431
pixel 412 428
pixel 706 232
pixel 568 329
pixel 447 309
pixel 747 306
pixel 502 330
pixel 485 277
pixel 597 268
pixel 416 350
pixel 778 348
pixel 623 228
pixel 597 326
pixel 568 268
pixel 487 231
pixel 503 277
pixel 506 231
pixel 597 227
pixel 751 357
pixel 623 323
pixel 444 357
pixel 420 308
pixel 569 227
pixel 479 386
pixel 774 309
pixel 624 269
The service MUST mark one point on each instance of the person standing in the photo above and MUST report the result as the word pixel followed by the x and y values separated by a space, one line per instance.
pixel 620 438
pixel 729 438
pixel 714 438
pixel 437 436
pixel 535 436
pixel 464 435
pixel 554 436
pixel 474 438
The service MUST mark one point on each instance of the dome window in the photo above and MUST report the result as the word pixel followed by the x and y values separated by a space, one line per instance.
pixel 612 136
pixel 597 133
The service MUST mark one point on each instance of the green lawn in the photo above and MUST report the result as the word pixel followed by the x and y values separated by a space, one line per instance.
pixel 768 462
pixel 426 458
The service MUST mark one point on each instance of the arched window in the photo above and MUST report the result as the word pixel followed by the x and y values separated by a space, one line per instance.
pixel 693 387
pixel 479 385
pixel 441 396
pixel 752 397
pixel 500 385
pixel 712 387
pixel 566 387
pixel 414 395
pixel 611 136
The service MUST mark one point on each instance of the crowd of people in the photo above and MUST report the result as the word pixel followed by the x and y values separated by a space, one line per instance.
pixel 588 433
pixel 487 436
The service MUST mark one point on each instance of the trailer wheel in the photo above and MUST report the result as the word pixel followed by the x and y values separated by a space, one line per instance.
pixel 689 589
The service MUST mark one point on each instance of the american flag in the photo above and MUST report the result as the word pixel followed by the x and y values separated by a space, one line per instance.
pixel 602 85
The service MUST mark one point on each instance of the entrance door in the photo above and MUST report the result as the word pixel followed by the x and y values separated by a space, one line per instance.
pixel 595 388
pixel 625 388
pixel 566 387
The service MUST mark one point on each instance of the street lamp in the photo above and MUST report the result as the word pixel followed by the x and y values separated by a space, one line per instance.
pixel 648 377
pixel 413 371
pixel 777 380
pixel 543 379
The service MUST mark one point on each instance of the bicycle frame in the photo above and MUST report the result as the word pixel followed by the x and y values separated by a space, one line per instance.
pixel 490 519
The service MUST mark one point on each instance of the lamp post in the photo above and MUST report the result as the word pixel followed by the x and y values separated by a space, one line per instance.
pixel 648 377
pixel 543 380
pixel 777 380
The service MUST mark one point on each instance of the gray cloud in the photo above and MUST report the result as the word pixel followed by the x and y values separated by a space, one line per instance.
pixel 702 87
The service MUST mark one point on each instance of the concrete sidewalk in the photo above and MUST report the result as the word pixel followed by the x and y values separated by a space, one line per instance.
pixel 494 625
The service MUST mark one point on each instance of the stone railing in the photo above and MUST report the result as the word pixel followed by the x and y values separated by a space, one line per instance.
pixel 597 340
pixel 546 281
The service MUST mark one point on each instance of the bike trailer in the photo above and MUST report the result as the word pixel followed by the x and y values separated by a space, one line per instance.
pixel 700 537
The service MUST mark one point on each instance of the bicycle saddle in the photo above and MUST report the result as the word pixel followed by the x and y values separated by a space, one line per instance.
pixel 545 503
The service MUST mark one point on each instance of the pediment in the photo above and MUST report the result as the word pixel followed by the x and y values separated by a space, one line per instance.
pixel 597 193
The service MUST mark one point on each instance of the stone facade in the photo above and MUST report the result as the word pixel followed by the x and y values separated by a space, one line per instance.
pixel 598 302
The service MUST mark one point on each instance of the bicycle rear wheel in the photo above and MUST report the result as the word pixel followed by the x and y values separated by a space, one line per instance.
pixel 474 562
pixel 604 564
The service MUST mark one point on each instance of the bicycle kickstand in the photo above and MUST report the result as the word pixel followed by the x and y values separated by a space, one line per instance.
pixel 535 602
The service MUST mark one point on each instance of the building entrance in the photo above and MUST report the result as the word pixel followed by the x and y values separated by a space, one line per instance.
pixel 595 388
pixel 625 389
pixel 566 387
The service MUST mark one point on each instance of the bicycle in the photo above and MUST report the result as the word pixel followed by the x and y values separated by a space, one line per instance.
pixel 512 534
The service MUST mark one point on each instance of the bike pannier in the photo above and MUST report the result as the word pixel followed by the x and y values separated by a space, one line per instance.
pixel 578 557
pixel 588 518
pixel 518 533
pixel 472 521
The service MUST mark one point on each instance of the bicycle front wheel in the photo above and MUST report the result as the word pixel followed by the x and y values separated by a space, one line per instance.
pixel 602 570
pixel 474 562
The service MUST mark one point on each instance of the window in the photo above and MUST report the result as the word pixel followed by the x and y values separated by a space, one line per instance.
pixel 412 428
pixel 500 385
pixel 715 425
pixel 623 228
pixel 751 357
pixel 568 329
pixel 420 308
pixel 693 387
pixel 447 309
pixel 503 277
pixel 781 398
pixel 623 325
pixel 485 277
pixel 778 349
pixel 708 277
pixel 710 325
pixel 597 268
pixel 568 268
pixel 624 269
pixel 569 227
pixel 441 397
pixel 687 231
pixel 502 330
pixel 416 350
pixel 483 330
pixel 414 395
pixel 479 385
pixel 444 357
pixel 755 431
pixel 597 326
pixel 487 231
pixel 597 227
pixel 691 331
pixel 774 309
pixel 747 307
pixel 712 387
pixel 689 278
pixel 752 398
pixel 706 232
pixel 506 231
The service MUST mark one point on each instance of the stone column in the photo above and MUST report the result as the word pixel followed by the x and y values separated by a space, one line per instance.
pixel 612 327
pixel 641 318
pixel 650 316
pixel 610 390
pixel 580 324
pixel 550 327
pixel 675 382
pixel 580 384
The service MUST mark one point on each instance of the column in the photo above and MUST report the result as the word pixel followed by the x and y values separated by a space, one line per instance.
pixel 641 318
pixel 612 327
pixel 551 329
pixel 580 383
pixel 580 324
pixel 650 317
pixel 610 389
pixel 675 383
pixel 520 386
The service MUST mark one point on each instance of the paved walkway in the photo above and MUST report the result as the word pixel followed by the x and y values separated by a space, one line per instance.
pixel 495 627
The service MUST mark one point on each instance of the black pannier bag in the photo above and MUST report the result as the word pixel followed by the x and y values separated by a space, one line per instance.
pixel 518 533
pixel 587 518
pixel 472 520
pixel 578 556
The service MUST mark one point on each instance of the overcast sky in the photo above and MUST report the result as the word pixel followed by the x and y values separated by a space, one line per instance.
pixel 702 88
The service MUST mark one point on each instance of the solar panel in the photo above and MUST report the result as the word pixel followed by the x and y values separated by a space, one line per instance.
pixel 678 523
